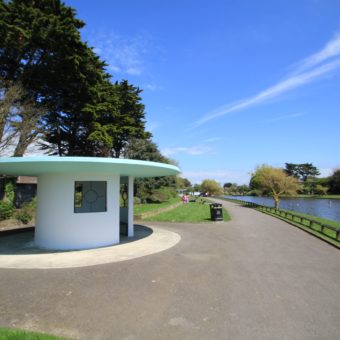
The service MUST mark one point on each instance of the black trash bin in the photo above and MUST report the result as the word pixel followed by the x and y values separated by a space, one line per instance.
pixel 216 212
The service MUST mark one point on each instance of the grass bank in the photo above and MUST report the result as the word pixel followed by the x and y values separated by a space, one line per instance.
pixel 140 209
pixel 192 212
pixel 318 221
pixel 316 227
pixel 315 196
pixel 17 334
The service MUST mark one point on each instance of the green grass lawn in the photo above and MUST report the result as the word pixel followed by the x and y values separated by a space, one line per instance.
pixel 314 196
pixel 191 213
pixel 17 334
pixel 143 208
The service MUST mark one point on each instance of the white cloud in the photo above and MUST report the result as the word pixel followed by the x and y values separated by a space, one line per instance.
pixel 122 55
pixel 291 116
pixel 300 78
pixel 151 87
pixel 134 71
pixel 194 150
pixel 331 50
pixel 211 140
pixel 114 69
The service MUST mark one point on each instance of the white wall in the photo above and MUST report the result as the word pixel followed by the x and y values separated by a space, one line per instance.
pixel 58 227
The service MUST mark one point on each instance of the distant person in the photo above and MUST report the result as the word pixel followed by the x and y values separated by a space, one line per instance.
pixel 185 198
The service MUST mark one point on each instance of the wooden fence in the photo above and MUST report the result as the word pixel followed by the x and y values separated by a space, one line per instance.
pixel 323 228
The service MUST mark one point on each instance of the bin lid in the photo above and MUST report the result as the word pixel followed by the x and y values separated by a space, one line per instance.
pixel 216 205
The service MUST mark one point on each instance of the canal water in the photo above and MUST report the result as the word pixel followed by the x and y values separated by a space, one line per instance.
pixel 320 207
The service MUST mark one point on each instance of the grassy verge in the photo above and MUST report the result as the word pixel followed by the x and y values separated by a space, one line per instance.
pixel 17 334
pixel 313 228
pixel 315 196
pixel 143 208
pixel 192 212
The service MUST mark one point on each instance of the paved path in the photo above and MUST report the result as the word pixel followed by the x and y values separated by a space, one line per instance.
pixel 19 251
pixel 255 277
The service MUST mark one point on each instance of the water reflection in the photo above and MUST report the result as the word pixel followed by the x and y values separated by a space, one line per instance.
pixel 326 208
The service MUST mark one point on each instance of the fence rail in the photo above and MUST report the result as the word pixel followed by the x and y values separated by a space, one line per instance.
pixel 305 221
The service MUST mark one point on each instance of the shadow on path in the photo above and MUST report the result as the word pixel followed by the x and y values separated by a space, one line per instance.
pixel 21 241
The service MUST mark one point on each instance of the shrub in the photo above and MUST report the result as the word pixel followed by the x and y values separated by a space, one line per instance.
pixel 6 210
pixel 23 216
pixel 162 194
pixel 158 197
pixel 7 204
pixel 9 192
pixel 27 212
pixel 169 192
pixel 137 200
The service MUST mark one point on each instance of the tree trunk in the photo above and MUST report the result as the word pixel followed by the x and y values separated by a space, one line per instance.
pixel 2 124
pixel 21 147
pixel 276 200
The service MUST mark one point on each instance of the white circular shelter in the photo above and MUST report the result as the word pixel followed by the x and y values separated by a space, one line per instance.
pixel 78 200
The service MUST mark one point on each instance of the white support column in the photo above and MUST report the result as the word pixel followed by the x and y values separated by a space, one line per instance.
pixel 130 207
pixel 115 204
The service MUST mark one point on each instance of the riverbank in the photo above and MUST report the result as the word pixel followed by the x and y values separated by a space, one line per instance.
pixel 335 197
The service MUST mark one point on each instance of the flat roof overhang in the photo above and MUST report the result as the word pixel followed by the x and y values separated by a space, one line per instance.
pixel 35 166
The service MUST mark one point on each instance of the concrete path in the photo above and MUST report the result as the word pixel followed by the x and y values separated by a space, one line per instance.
pixel 255 277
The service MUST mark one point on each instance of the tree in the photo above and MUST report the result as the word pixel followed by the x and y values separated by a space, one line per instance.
pixel 234 189
pixel 131 120
pixel 117 116
pixel 197 187
pixel 20 120
pixel 183 183
pixel 226 187
pixel 334 182
pixel 243 189
pixel 146 149
pixel 211 186
pixel 301 171
pixel 274 180
pixel 41 48
pixel 9 100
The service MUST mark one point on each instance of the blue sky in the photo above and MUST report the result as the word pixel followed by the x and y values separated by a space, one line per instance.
pixel 228 85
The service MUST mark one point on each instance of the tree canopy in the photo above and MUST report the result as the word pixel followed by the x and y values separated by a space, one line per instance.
pixel 146 149
pixel 334 182
pixel 81 112
pixel 41 48
pixel 211 186
pixel 274 180
pixel 301 171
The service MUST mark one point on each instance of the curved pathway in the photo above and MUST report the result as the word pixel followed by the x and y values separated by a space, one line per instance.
pixel 255 277
pixel 18 250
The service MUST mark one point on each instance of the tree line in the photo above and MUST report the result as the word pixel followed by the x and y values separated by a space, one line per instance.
pixel 266 180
